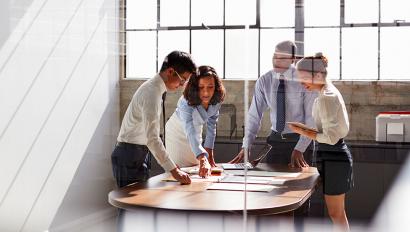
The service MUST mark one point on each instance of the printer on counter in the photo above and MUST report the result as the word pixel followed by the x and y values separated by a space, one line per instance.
pixel 393 126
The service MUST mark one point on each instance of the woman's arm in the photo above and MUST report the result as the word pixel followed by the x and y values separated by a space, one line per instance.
pixel 193 136
pixel 307 133
pixel 210 135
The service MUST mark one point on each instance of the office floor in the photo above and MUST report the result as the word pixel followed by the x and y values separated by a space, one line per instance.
pixel 308 224
pixel 108 225
pixel 103 225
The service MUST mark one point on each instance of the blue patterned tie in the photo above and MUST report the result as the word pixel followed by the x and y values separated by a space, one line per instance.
pixel 280 105
pixel 164 96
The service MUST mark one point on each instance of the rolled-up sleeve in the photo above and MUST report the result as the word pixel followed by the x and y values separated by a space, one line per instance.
pixel 211 129
pixel 255 113
pixel 193 136
pixel 308 100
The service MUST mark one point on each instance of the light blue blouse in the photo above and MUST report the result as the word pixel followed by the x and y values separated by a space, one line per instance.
pixel 192 119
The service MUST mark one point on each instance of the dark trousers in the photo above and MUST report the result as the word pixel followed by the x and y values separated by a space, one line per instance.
pixel 130 163
pixel 282 148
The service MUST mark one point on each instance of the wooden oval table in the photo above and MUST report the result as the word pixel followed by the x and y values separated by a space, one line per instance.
pixel 156 194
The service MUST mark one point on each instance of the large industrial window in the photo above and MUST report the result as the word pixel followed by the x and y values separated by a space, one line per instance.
pixel 364 40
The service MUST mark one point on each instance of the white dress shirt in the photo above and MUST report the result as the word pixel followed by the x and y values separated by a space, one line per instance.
pixel 330 115
pixel 141 123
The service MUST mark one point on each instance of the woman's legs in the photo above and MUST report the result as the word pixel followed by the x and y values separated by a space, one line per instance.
pixel 336 209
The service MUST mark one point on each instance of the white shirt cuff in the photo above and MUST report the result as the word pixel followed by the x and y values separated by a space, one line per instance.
pixel 246 142
pixel 169 165
pixel 300 147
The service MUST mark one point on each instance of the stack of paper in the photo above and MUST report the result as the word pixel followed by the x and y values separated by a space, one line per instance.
pixel 190 170
pixel 196 178
pixel 209 178
pixel 241 187
pixel 263 173
pixel 195 170
pixel 252 180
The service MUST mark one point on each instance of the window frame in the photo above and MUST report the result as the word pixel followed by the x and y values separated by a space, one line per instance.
pixel 299 29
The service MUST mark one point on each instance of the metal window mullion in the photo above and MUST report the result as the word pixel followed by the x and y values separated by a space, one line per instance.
pixel 151 29
pixel 405 24
pixel 224 54
pixel 299 27
pixel 312 27
pixel 378 43
pixel 342 22
pixel 258 24
pixel 123 39
pixel 224 41
pixel 157 30
pixel 190 25
pixel 276 27
pixel 216 27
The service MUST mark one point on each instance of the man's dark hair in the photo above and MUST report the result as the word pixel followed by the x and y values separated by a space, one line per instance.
pixel 191 91
pixel 287 47
pixel 179 61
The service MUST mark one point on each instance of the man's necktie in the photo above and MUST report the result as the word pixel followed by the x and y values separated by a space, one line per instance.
pixel 280 105
pixel 164 96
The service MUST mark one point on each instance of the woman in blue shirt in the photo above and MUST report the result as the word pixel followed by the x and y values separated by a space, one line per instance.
pixel 199 105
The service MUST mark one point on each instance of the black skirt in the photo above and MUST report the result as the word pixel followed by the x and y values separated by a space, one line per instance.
pixel 335 165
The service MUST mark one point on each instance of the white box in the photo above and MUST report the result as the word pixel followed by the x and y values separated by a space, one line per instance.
pixel 393 126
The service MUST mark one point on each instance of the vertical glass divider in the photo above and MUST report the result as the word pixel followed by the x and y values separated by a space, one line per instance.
pixel 245 100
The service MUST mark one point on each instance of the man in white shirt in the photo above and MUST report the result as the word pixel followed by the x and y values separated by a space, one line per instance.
pixel 140 128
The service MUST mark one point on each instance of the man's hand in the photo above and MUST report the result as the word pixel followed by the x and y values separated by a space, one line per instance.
pixel 211 157
pixel 238 158
pixel 297 160
pixel 180 176
pixel 204 166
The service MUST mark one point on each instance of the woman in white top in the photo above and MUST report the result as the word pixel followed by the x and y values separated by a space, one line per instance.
pixel 334 160
pixel 199 105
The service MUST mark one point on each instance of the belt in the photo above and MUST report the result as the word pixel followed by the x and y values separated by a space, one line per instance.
pixel 124 144
pixel 283 136
pixel 339 146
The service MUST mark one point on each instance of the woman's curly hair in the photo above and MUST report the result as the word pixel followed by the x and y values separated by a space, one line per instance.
pixel 191 91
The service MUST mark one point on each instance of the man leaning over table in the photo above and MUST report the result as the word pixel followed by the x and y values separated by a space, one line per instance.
pixel 140 128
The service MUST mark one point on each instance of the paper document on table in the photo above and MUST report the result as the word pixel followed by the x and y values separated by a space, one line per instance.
pixel 252 180
pixel 263 173
pixel 195 170
pixel 241 187
pixel 190 170
pixel 195 178
pixel 209 178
